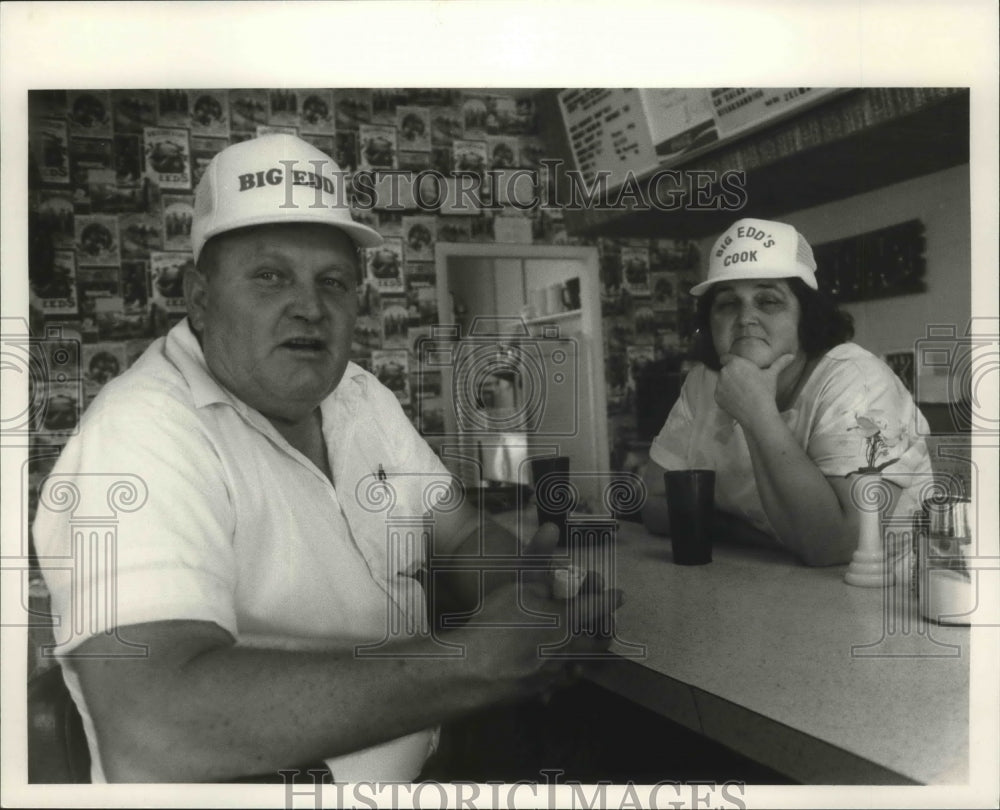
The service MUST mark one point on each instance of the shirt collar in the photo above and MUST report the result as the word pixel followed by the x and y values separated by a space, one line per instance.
pixel 184 351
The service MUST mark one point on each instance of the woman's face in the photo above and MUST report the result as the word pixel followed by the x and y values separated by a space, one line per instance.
pixel 755 319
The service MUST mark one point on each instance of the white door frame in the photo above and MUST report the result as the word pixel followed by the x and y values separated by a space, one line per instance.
pixel 590 322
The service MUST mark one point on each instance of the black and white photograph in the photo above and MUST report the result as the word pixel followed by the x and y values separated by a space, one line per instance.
pixel 502 152
pixel 316 115
pixel 85 156
pixel 414 127
pixel 474 113
pixel 133 111
pixel 166 280
pixel 97 240
pixel 377 146
pixel 56 290
pixel 470 156
pixel 385 266
pixel 100 301
pixel 130 167
pixel 446 125
pixel 209 113
pixel 55 212
pixel 247 110
pixel 663 289
pixel 60 416
pixel 635 269
pixel 51 148
pixel 392 368
pixel 107 197
pixel 284 107
pixel 178 214
pixel 395 321
pixel 352 107
pixel 202 152
pixel 89 113
pixel 173 108
pixel 419 233
pixel 168 157
pixel 666 479
pixel 102 362
pixel 140 233
pixel 385 102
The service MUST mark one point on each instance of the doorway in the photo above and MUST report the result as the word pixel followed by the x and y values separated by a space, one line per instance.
pixel 519 348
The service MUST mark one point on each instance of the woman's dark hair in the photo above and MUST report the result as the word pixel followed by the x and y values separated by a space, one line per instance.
pixel 821 324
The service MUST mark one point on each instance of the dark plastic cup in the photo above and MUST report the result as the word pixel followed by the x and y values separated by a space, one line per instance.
pixel 690 504
pixel 552 498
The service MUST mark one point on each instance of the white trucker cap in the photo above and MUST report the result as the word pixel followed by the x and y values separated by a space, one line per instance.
pixel 272 179
pixel 759 248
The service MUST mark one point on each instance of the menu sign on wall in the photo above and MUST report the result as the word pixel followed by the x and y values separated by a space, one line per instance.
pixel 639 130
pixel 607 130
pixel 680 120
pixel 738 109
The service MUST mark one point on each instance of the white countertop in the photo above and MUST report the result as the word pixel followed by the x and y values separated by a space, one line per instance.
pixel 823 681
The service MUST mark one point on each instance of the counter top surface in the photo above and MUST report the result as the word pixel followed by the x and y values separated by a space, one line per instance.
pixel 823 680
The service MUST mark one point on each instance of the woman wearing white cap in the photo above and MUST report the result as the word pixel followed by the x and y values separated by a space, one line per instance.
pixel 773 405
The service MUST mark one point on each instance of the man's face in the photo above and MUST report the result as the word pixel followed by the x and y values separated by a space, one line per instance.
pixel 276 307
pixel 757 320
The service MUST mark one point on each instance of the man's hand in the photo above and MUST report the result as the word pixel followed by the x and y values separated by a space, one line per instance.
pixel 200 707
pixel 745 391
pixel 525 636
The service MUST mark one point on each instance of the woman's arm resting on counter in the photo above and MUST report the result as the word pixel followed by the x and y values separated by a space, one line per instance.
pixel 811 514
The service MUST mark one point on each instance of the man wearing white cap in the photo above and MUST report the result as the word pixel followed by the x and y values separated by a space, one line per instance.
pixel 773 406
pixel 259 613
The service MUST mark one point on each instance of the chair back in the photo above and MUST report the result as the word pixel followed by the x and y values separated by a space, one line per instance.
pixel 57 744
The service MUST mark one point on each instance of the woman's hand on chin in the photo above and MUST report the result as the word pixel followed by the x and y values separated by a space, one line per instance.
pixel 745 391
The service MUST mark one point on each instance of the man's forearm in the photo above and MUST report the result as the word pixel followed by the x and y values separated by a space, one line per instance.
pixel 227 712
pixel 199 708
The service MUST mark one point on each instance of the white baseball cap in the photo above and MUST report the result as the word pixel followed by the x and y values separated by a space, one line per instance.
pixel 759 248
pixel 271 179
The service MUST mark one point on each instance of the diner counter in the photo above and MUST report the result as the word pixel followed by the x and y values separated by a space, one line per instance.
pixel 819 680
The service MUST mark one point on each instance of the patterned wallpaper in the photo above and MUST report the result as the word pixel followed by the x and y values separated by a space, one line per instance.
pixel 111 181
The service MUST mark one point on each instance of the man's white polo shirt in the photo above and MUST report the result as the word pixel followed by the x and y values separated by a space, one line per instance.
pixel 228 523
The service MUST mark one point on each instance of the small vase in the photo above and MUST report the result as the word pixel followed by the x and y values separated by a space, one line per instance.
pixel 871 496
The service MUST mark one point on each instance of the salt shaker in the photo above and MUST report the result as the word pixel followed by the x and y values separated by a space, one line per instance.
pixel 945 587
